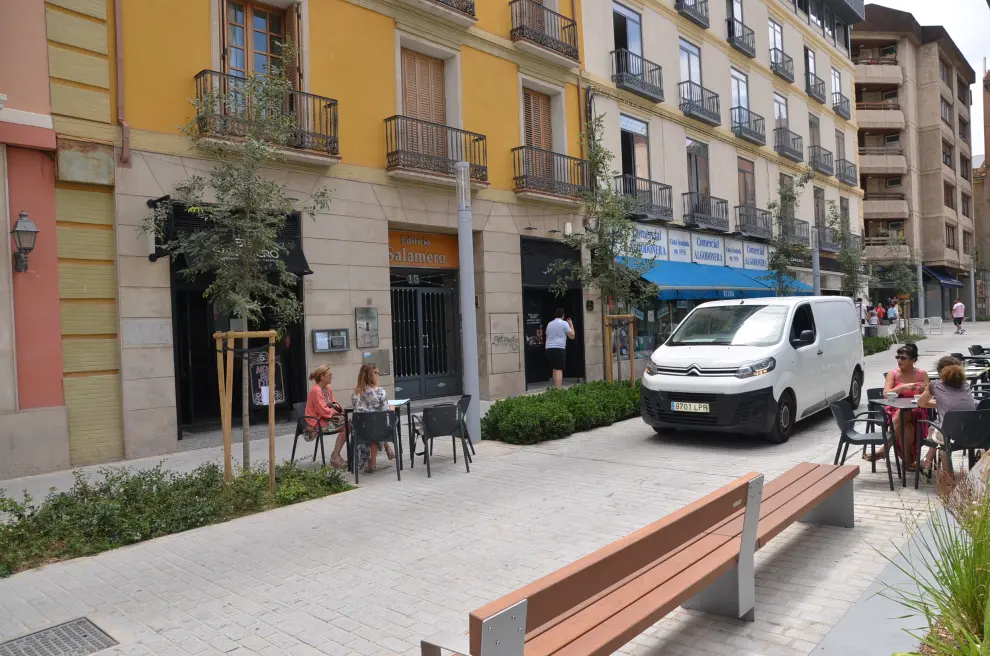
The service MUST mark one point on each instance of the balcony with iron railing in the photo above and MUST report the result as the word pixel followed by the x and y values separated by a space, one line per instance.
pixel 840 105
pixel 638 75
pixel 704 211
pixel 748 125
pixel 426 152
pixel 781 64
pixel 815 86
pixel 753 222
pixel 820 160
pixel 695 11
pixel 546 175
pixel 224 112
pixel 459 12
pixel 829 239
pixel 854 242
pixel 879 71
pixel 544 33
pixel 796 230
pixel 700 103
pixel 741 37
pixel 652 201
pixel 845 171
pixel 788 144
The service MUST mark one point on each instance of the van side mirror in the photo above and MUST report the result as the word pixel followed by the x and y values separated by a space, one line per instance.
pixel 807 337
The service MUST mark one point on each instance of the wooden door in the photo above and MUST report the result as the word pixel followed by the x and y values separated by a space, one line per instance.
pixel 539 132
pixel 423 98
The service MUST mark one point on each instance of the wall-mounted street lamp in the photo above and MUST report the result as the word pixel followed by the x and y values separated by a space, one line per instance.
pixel 25 234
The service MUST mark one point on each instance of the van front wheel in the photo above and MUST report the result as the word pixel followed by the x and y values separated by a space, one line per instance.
pixel 856 389
pixel 783 423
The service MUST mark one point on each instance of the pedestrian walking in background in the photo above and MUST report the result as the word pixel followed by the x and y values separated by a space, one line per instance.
pixel 558 332
pixel 958 312
pixel 893 314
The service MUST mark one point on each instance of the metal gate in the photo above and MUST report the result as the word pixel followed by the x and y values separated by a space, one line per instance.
pixel 426 350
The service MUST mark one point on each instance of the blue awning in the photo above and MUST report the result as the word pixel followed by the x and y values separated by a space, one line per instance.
pixel 800 288
pixel 944 279
pixel 687 280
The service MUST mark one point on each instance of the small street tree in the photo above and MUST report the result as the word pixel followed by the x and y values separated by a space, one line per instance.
pixel 786 249
pixel 854 277
pixel 619 254
pixel 242 211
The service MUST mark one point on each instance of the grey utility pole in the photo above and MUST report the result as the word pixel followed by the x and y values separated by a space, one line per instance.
pixel 972 288
pixel 469 320
pixel 921 292
pixel 816 262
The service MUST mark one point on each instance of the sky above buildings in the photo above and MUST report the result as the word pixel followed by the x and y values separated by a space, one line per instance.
pixel 968 23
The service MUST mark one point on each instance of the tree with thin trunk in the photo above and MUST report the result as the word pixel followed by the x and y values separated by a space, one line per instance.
pixel 786 250
pixel 242 211
pixel 854 277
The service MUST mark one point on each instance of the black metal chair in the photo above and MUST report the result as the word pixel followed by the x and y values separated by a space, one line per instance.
pixel 847 420
pixel 324 428
pixel 976 349
pixel 983 404
pixel 961 431
pixel 462 410
pixel 441 421
pixel 372 428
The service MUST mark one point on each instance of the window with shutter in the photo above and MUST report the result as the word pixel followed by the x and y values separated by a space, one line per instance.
pixel 423 98
pixel 539 130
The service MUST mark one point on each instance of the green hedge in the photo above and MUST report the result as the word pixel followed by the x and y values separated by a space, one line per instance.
pixel 554 414
pixel 121 507
pixel 873 345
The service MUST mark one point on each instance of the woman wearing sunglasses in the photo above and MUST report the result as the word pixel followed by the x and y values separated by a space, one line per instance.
pixel 907 382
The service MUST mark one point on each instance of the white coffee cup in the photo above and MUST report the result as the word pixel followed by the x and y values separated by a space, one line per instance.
pixel 891 396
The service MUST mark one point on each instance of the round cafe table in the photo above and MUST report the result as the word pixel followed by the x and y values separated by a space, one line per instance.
pixel 901 403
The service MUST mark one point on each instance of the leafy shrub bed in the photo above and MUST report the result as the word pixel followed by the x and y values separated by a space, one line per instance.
pixel 873 345
pixel 554 414
pixel 122 507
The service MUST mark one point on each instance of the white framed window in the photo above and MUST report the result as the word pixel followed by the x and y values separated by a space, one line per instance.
pixel 428 81
pixel 740 89
pixel 690 62
pixel 893 183
pixel 542 111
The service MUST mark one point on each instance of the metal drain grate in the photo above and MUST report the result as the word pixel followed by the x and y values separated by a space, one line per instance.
pixel 76 638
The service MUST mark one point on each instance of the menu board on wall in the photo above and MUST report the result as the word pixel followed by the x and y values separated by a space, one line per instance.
pixel 707 249
pixel 680 245
pixel 756 256
pixel 652 241
pixel 734 253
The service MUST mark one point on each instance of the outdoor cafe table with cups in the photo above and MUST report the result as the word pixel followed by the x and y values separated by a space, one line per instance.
pixel 891 400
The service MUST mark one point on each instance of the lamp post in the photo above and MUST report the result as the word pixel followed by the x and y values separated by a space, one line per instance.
pixel 25 234
pixel 469 321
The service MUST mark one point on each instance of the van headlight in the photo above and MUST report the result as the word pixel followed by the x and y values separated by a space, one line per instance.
pixel 756 369
pixel 651 367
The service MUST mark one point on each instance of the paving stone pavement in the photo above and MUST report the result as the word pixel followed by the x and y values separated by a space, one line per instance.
pixel 373 570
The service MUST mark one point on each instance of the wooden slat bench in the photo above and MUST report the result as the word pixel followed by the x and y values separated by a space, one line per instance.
pixel 701 556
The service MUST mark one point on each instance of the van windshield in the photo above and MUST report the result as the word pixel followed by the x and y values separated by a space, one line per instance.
pixel 732 325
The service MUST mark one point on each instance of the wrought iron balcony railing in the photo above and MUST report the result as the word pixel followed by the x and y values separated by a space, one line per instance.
pixel 820 160
pixel 829 239
pixel 704 211
pixel 225 113
pixel 700 103
pixel 751 221
pixel 884 105
pixel 654 200
pixel 855 242
pixel 788 144
pixel 741 37
pixel 873 195
pixel 845 171
pixel 695 11
pixel 782 64
pixel 544 171
pixel 412 144
pixel 796 230
pixel 840 105
pixel 749 125
pixel 640 76
pixel 533 22
pixel 875 61
pixel 815 86
pixel 464 6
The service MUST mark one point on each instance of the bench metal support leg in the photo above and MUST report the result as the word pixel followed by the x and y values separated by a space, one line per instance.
pixel 836 510
pixel 431 646
pixel 734 593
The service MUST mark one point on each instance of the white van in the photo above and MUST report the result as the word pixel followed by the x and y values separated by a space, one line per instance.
pixel 755 366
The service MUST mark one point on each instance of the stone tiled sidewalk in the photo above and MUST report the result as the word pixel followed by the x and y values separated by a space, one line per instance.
pixel 373 570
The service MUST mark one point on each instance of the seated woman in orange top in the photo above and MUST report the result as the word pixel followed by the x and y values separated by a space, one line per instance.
pixel 322 412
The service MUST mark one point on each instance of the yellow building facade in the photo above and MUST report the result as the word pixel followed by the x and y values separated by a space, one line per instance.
pixel 389 95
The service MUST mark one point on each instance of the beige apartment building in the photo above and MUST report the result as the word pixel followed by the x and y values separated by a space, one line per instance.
pixel 981 209
pixel 913 103
pixel 708 107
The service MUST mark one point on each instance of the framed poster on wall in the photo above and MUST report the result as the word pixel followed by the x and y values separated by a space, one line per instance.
pixel 366 320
